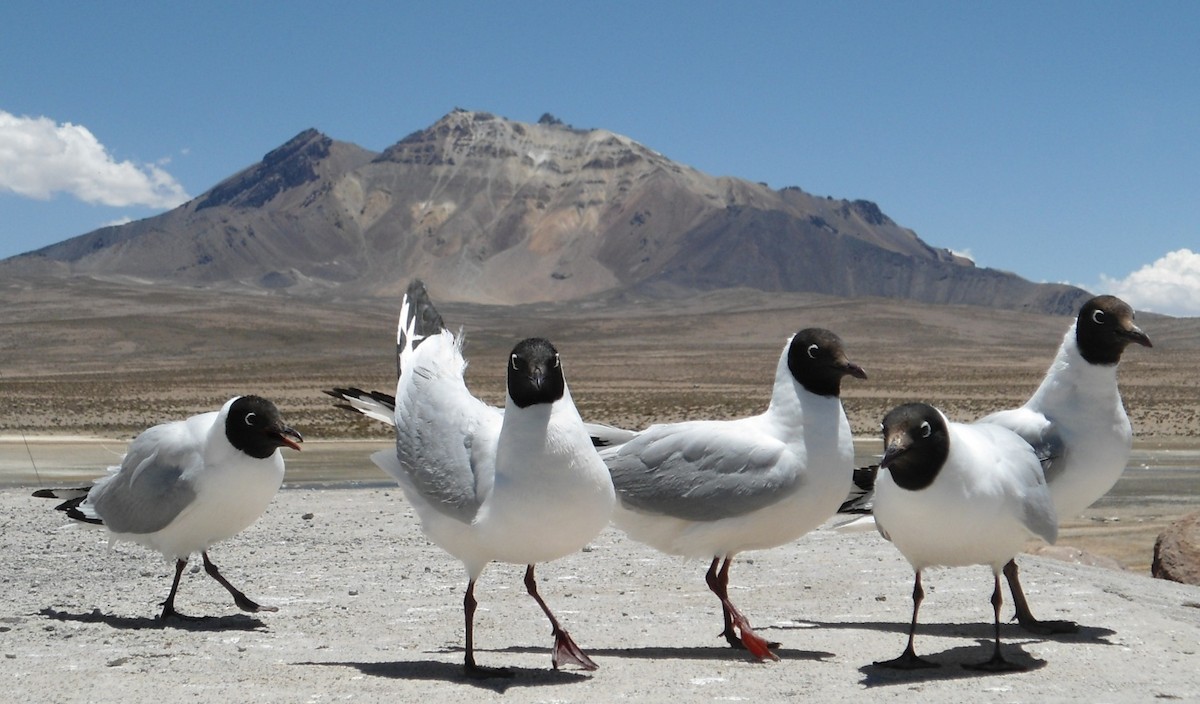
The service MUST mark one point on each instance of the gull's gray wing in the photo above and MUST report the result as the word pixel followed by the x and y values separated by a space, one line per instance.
pixel 150 490
pixel 701 471
pixel 1012 464
pixel 1037 430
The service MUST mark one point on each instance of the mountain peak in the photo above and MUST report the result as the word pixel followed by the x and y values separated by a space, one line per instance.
pixel 293 164
pixel 463 136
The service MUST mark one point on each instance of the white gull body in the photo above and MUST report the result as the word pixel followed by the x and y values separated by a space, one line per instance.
pixel 712 489
pixel 523 485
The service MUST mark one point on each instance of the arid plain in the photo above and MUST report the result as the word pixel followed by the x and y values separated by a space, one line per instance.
pixel 103 360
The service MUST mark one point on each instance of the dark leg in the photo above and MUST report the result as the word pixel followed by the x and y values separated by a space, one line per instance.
pixel 564 647
pixel 243 602
pixel 713 578
pixel 908 660
pixel 472 670
pixel 169 604
pixel 997 663
pixel 1024 615
pixel 735 622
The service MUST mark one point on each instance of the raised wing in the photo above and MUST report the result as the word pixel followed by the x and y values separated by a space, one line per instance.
pixel 445 438
pixel 701 471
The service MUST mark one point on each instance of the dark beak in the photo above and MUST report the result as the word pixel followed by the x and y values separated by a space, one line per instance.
pixel 1135 334
pixel 895 446
pixel 537 377
pixel 288 437
pixel 855 371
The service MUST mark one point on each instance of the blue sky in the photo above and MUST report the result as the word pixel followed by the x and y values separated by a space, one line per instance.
pixel 1058 140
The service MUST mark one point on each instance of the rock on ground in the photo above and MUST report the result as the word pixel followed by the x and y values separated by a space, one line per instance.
pixel 1177 551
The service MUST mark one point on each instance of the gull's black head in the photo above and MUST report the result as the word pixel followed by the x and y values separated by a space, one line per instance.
pixel 1105 328
pixel 817 360
pixel 255 427
pixel 535 373
pixel 916 443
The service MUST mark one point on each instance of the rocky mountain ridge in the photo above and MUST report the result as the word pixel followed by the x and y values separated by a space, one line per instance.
pixel 492 210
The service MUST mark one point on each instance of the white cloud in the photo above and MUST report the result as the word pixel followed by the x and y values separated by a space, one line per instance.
pixel 39 157
pixel 1170 285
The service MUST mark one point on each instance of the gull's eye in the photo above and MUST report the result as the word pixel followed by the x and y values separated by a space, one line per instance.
pixel 926 429
pixel 250 419
pixel 812 351
pixel 1098 317
pixel 557 361
pixel 514 363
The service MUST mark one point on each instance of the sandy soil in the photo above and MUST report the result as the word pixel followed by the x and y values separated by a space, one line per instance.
pixel 101 358
pixel 369 611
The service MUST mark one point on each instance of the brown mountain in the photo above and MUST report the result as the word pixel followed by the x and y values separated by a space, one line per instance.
pixel 486 209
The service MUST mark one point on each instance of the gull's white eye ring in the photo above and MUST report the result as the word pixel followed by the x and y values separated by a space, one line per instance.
pixel 250 419
pixel 1098 317
pixel 926 430
pixel 557 361
pixel 514 362
pixel 812 351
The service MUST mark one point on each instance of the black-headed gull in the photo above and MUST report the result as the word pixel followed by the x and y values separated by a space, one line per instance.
pixel 951 494
pixel 1077 423
pixel 523 485
pixel 711 489
pixel 185 485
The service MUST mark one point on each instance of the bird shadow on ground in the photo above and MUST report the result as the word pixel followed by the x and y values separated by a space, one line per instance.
pixel 435 670
pixel 978 630
pixel 233 622
pixel 950 665
pixel 686 653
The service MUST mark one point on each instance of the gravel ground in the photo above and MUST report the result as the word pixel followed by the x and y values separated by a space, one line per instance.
pixel 370 611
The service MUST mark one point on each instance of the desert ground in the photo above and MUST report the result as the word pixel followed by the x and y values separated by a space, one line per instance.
pixel 369 610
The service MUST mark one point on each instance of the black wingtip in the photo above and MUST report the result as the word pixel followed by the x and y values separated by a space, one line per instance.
pixel 862 495
pixel 386 399
pixel 76 492
pixel 343 392
pixel 80 516
pixel 419 315
pixel 71 505
pixel 347 393
pixel 427 321
pixel 864 477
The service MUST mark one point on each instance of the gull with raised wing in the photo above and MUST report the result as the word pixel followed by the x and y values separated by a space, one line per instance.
pixel 521 485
